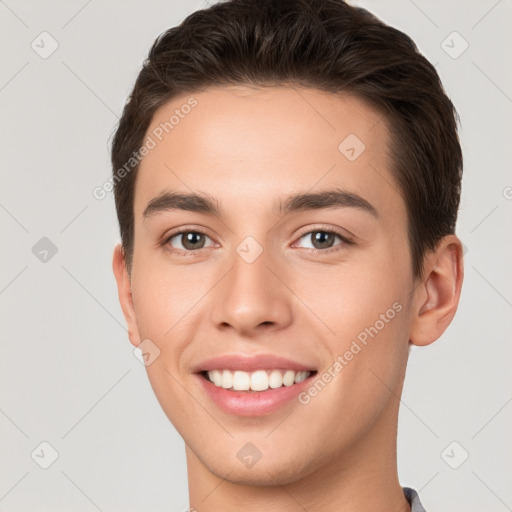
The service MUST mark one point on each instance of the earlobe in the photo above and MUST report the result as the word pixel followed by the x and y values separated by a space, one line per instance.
pixel 437 297
pixel 125 294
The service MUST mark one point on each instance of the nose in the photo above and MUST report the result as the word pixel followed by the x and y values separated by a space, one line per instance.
pixel 252 297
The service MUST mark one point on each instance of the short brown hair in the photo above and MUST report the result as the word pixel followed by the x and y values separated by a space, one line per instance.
pixel 322 44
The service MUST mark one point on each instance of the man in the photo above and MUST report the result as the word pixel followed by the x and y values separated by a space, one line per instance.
pixel 287 180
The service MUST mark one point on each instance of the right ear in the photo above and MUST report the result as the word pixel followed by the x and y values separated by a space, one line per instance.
pixel 125 294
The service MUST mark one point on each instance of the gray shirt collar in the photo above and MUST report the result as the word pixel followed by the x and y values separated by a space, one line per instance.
pixel 414 500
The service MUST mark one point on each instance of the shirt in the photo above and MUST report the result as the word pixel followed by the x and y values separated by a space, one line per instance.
pixel 414 500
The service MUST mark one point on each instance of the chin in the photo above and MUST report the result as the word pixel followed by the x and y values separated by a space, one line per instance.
pixel 265 473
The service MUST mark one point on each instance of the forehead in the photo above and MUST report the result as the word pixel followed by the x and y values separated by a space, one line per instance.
pixel 246 146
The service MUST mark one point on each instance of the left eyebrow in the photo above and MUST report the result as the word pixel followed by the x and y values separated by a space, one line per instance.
pixel 332 198
pixel 200 203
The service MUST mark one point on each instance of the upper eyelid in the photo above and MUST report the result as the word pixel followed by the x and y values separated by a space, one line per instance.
pixel 302 231
pixel 338 231
pixel 307 231
pixel 345 240
pixel 181 231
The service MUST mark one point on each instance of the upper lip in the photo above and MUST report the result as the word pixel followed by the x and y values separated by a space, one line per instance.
pixel 250 363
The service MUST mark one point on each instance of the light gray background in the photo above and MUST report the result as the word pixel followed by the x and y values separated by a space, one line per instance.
pixel 68 374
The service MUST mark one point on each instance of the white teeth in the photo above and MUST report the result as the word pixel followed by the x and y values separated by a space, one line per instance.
pixel 216 378
pixel 301 376
pixel 241 381
pixel 275 379
pixel 259 380
pixel 227 379
pixel 289 378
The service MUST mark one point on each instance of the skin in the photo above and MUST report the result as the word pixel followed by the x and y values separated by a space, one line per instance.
pixel 249 148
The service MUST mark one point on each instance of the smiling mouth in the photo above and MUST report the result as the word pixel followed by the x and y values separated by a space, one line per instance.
pixel 257 381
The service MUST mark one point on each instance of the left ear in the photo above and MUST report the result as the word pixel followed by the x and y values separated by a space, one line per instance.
pixel 437 296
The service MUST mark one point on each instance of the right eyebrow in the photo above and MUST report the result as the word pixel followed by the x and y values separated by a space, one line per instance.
pixel 179 201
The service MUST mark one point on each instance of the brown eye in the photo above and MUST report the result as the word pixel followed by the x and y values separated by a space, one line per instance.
pixel 188 240
pixel 322 239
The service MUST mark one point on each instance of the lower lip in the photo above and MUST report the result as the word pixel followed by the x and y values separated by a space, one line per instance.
pixel 258 403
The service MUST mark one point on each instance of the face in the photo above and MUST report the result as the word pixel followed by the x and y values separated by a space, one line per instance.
pixel 305 258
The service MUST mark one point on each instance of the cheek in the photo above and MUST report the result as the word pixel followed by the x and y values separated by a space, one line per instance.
pixel 348 298
pixel 163 302
pixel 162 297
pixel 366 355
pixel 362 312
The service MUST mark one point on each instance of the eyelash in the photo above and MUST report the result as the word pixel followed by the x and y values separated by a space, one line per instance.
pixel 344 239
